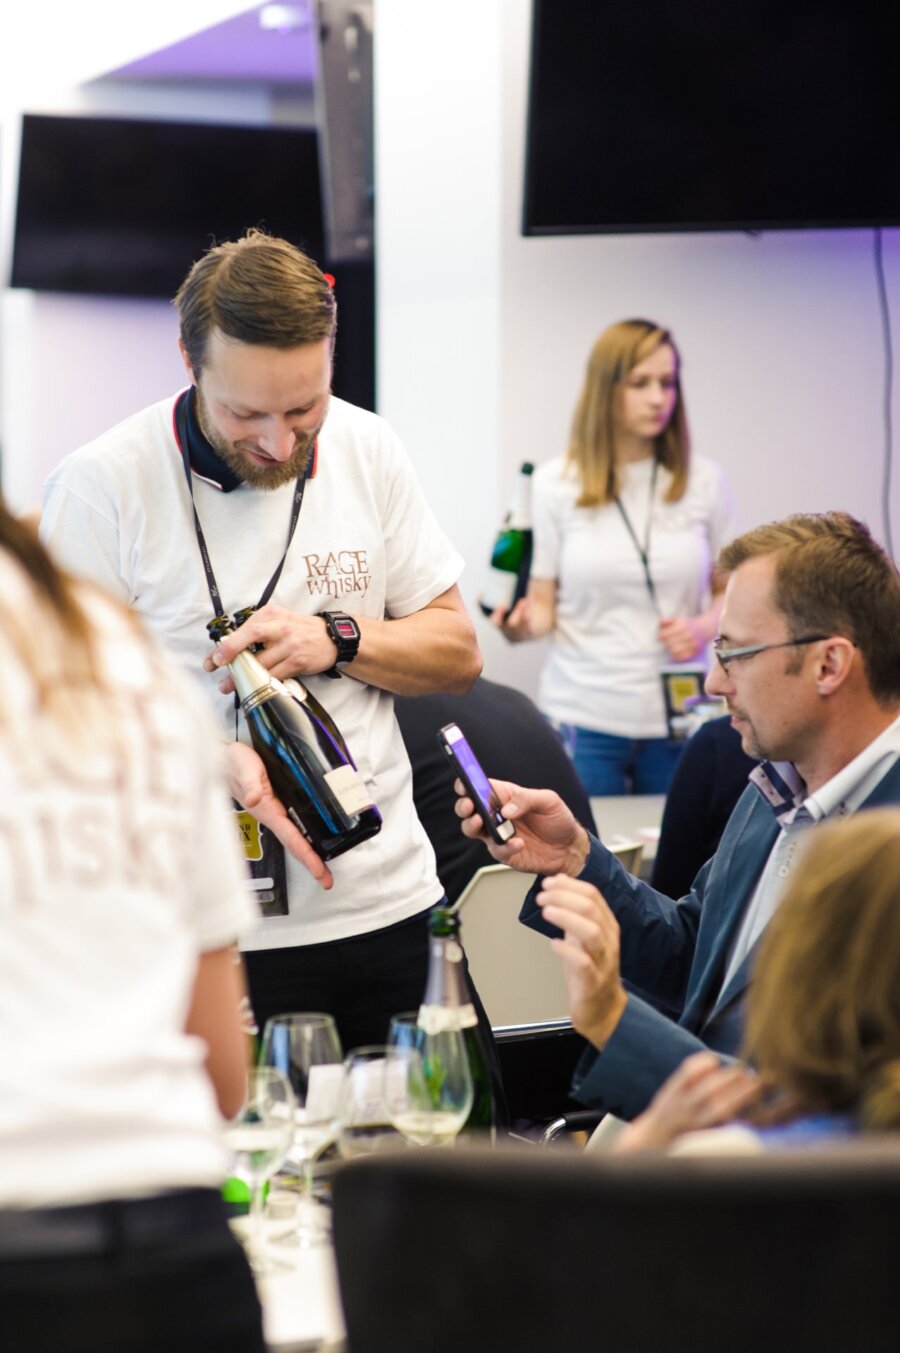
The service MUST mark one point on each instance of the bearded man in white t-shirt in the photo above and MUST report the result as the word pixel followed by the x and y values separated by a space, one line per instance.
pixel 261 435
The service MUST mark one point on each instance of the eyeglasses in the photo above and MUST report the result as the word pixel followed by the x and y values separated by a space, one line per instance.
pixel 727 656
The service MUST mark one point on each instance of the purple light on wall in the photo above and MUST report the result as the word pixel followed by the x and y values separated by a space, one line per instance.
pixel 241 48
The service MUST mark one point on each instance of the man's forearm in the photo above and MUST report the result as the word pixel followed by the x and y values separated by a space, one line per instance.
pixel 434 649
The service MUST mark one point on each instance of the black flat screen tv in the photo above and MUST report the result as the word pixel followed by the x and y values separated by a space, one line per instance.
pixel 122 207
pixel 712 115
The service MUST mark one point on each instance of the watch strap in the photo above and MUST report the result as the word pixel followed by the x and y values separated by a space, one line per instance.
pixel 344 634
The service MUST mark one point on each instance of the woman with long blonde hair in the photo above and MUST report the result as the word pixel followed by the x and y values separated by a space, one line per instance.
pixel 121 896
pixel 626 527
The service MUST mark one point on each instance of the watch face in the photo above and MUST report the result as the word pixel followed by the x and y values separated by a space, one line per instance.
pixel 345 627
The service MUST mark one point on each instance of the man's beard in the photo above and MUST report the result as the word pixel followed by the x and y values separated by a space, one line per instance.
pixel 258 476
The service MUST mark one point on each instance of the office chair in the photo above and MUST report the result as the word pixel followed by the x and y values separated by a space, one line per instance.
pixel 536 1251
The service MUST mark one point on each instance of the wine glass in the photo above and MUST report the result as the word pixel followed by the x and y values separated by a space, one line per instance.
pixel 365 1123
pixel 428 1080
pixel 307 1050
pixel 259 1137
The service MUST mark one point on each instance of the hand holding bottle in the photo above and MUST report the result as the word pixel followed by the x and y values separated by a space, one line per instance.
pixel 292 645
pixel 514 624
pixel 249 784
pixel 548 840
pixel 306 769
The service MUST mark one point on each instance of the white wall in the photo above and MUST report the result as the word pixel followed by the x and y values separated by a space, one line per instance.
pixel 483 334
pixel 780 334
pixel 70 365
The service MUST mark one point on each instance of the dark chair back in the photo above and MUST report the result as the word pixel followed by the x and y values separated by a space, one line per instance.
pixel 534 1250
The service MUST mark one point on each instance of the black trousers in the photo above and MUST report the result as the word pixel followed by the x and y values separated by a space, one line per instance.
pixel 361 982
pixel 143 1275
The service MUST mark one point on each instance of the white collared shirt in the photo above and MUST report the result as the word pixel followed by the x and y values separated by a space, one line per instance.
pixel 843 794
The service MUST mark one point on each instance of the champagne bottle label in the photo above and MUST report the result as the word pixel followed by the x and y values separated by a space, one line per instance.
pixel 499 588
pixel 349 788
pixel 435 1019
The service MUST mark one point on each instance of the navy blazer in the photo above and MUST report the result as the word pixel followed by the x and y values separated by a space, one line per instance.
pixel 675 953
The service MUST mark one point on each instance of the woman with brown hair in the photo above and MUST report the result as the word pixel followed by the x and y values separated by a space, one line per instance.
pixel 823 1013
pixel 121 896
pixel 626 527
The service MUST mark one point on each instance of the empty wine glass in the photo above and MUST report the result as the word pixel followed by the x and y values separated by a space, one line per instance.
pixel 365 1123
pixel 306 1048
pixel 428 1080
pixel 259 1137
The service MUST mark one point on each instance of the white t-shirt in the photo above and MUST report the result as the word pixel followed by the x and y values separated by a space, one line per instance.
pixel 118 868
pixel 603 669
pixel 366 542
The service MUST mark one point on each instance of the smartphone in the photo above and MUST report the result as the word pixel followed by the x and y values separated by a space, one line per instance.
pixel 466 765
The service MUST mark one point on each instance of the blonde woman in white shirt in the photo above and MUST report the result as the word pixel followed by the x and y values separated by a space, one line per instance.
pixel 121 896
pixel 626 527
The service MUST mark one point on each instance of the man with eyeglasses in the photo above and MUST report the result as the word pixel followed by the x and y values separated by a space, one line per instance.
pixel 808 660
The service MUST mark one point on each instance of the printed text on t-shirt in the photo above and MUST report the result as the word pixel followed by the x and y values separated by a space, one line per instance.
pixel 337 573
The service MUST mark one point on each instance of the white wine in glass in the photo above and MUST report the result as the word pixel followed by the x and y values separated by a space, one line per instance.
pixel 428 1082
pixel 259 1137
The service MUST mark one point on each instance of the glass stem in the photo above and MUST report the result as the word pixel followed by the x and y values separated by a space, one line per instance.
pixel 307 1195
pixel 255 1215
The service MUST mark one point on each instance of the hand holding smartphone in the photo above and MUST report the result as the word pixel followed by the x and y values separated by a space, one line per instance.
pixel 465 764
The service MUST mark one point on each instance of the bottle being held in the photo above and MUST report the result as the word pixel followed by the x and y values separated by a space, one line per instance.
pixel 507 579
pixel 447 1004
pixel 306 758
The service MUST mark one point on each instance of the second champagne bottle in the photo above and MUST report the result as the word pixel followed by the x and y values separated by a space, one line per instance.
pixel 307 760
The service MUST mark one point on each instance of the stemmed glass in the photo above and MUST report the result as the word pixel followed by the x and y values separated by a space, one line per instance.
pixel 259 1138
pixel 307 1050
pixel 366 1126
pixel 429 1081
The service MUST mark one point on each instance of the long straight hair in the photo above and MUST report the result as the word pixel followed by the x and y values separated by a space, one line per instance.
pixel 592 446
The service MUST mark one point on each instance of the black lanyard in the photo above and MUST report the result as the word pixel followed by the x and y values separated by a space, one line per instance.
pixel 182 435
pixel 644 550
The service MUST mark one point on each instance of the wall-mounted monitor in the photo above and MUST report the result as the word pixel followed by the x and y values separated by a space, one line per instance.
pixel 712 115
pixel 122 207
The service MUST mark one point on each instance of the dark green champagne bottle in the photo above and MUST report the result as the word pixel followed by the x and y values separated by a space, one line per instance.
pixel 306 758
pixel 447 1004
pixel 507 579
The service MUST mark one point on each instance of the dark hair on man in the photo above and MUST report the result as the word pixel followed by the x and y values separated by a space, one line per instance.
pixel 831 577
pixel 258 289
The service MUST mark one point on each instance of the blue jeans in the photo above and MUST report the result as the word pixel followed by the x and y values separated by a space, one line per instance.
pixel 607 764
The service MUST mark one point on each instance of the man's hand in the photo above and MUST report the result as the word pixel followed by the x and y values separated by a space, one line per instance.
pixel 589 953
pixel 548 840
pixel 248 783
pixel 702 1093
pixel 292 645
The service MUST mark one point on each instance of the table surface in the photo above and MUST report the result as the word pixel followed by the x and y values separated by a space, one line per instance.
pixel 636 816
pixel 301 1306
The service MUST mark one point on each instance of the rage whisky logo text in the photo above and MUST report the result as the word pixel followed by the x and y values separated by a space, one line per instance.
pixel 337 573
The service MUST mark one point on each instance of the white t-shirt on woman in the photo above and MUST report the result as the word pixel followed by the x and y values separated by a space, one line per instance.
pixel 603 668
pixel 119 866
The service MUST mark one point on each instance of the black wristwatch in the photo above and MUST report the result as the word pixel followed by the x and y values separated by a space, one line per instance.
pixel 344 634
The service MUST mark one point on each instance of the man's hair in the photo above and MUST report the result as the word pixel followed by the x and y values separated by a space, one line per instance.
pixel 258 289
pixel 592 445
pixel 831 577
pixel 823 1012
